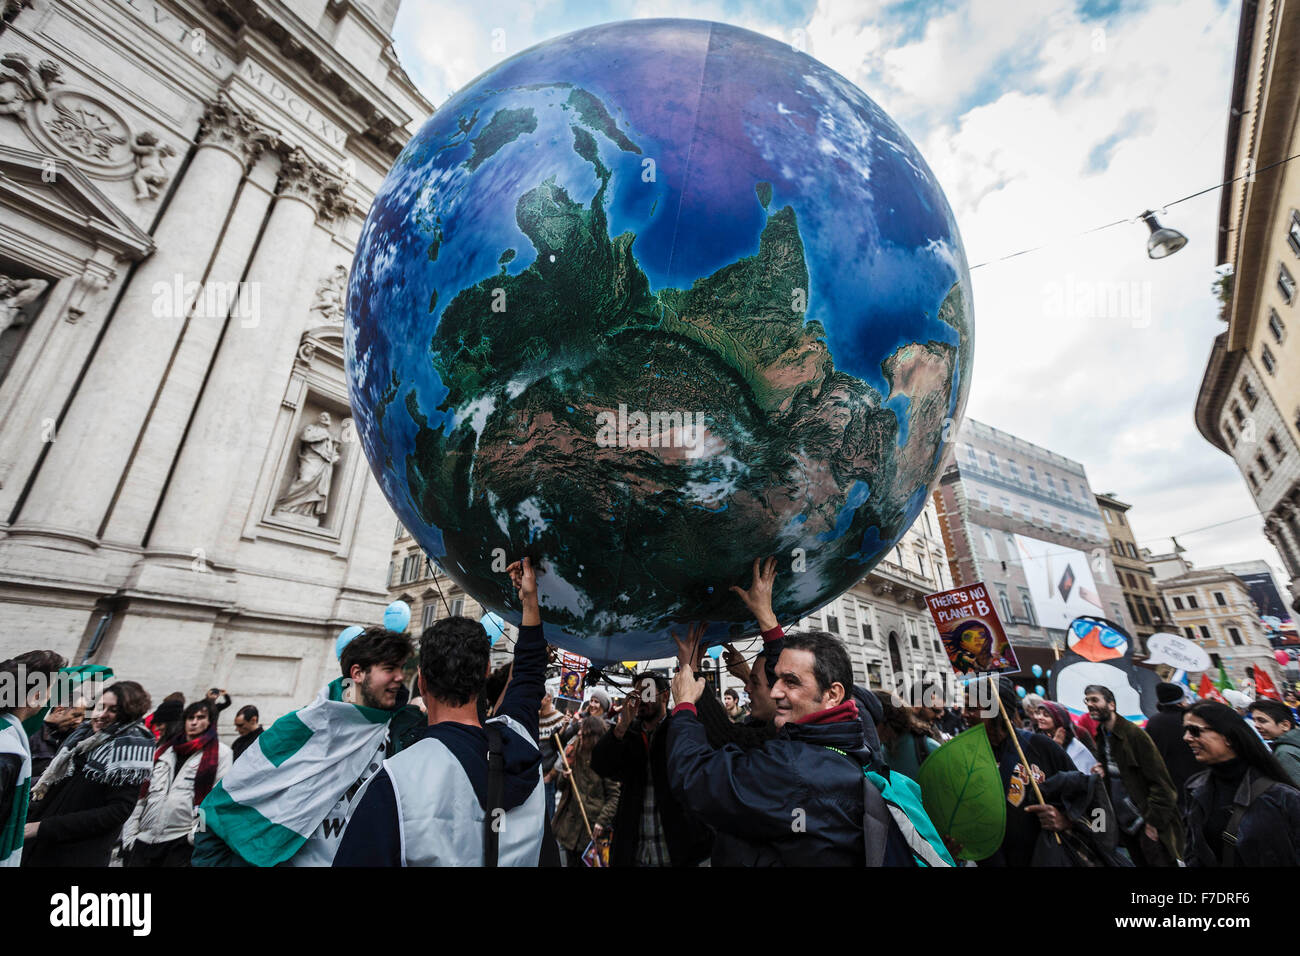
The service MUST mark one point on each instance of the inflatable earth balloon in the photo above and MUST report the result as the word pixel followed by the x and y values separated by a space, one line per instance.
pixel 645 302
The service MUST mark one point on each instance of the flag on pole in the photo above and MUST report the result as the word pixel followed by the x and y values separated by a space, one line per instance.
pixel 1264 686
pixel 1224 682
pixel 1207 690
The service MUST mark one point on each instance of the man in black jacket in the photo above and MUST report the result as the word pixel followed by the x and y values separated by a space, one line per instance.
pixel 1166 731
pixel 651 828
pixel 796 800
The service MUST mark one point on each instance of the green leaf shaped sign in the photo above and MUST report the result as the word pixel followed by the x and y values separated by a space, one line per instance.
pixel 962 792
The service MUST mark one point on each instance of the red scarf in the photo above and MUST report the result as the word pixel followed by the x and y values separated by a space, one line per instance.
pixel 206 776
pixel 845 711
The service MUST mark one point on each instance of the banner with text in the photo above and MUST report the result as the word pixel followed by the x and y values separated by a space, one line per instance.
pixel 971 632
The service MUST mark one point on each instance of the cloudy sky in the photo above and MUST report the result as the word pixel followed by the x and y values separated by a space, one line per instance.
pixel 1041 120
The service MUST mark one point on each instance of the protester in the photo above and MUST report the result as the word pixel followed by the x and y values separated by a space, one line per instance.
pixel 291 795
pixel 1165 729
pixel 1055 721
pixel 15 748
pixel 598 705
pixel 1027 819
pixel 90 787
pixel 248 726
pixel 160 830
pixel 550 721
pixel 799 799
pixel 443 801
pixel 1138 783
pixel 166 719
pixel 54 730
pixel 597 795
pixel 904 737
pixel 1241 810
pixel 651 828
pixel 1276 724
pixel 731 704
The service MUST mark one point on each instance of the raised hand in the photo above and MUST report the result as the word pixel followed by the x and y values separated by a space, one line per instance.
pixel 737 666
pixel 691 651
pixel 524 578
pixel 759 596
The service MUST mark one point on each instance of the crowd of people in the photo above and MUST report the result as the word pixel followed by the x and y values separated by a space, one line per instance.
pixel 481 767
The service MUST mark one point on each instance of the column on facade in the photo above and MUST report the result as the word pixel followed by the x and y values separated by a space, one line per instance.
pixel 1290 541
pixel 226 437
pixel 79 478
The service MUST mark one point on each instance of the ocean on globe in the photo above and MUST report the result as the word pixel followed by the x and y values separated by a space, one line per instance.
pixel 645 302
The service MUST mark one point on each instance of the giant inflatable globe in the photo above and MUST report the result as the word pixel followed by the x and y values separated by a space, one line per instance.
pixel 645 302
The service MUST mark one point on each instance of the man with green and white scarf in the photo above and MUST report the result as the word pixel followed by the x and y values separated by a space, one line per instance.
pixel 26 679
pixel 288 799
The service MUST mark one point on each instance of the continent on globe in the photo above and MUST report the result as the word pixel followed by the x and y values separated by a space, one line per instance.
pixel 645 302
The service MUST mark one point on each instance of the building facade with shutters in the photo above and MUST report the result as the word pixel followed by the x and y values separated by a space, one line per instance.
pixel 182 496
pixel 1249 401
pixel 1142 598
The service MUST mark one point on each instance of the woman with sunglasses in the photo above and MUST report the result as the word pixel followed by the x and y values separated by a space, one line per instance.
pixel 1241 810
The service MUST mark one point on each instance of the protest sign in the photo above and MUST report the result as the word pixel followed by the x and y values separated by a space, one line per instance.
pixel 971 632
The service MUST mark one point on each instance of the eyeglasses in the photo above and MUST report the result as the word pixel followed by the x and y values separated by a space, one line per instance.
pixel 1194 730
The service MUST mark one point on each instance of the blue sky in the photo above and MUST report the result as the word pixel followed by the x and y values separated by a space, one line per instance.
pixel 1040 120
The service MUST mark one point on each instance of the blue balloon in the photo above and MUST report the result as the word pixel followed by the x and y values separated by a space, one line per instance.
pixel 1038 689
pixel 1036 671
pixel 397 616
pixel 1049 672
pixel 1020 691
pixel 345 635
pixel 494 626
pixel 715 651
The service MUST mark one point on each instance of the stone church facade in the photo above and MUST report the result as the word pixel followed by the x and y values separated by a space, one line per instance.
pixel 182 495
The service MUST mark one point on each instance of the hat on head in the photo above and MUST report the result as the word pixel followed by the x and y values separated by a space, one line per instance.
pixel 168 712
pixel 602 697
pixel 1235 698
pixel 1168 693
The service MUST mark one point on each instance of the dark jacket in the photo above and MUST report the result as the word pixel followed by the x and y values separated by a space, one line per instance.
pixel 45 743
pixel 1166 731
pixel 1047 760
pixel 1145 777
pixel 1269 832
pixel 599 797
pixel 1287 751
pixel 689 841
pixel 80 820
pixel 245 741
pixel 791 802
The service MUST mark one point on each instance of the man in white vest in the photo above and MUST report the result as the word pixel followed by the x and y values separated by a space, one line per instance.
pixel 438 803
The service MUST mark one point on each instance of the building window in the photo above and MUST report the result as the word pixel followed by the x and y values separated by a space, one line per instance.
pixel 1191 634
pixel 1238 415
pixel 993 462
pixel 1275 326
pixel 971 456
pixel 1254 482
pixel 1051 484
pixel 984 500
pixel 1235 636
pixel 1045 515
pixel 832 621
pixel 1028 603
pixel 1293 232
pixel 1006 605
pixel 1006 504
pixel 1105 512
pixel 920 563
pixel 938 648
pixel 1178 603
pixel 400 531
pixel 1117 546
pixel 1248 393
pixel 1266 356
pixel 1014 469
pixel 990 546
pixel 1205 633
pixel 411 567
pixel 1132 549
pixel 1033 476
pixel 1191 602
pixel 1219 599
pixel 1285 283
pixel 1275 446
pixel 457 607
pixel 1264 466
pixel 429 614
pixel 1232 436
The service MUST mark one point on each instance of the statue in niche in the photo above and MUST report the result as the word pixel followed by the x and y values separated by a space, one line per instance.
pixel 15 294
pixel 21 84
pixel 318 453
pixel 150 175
pixel 329 301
